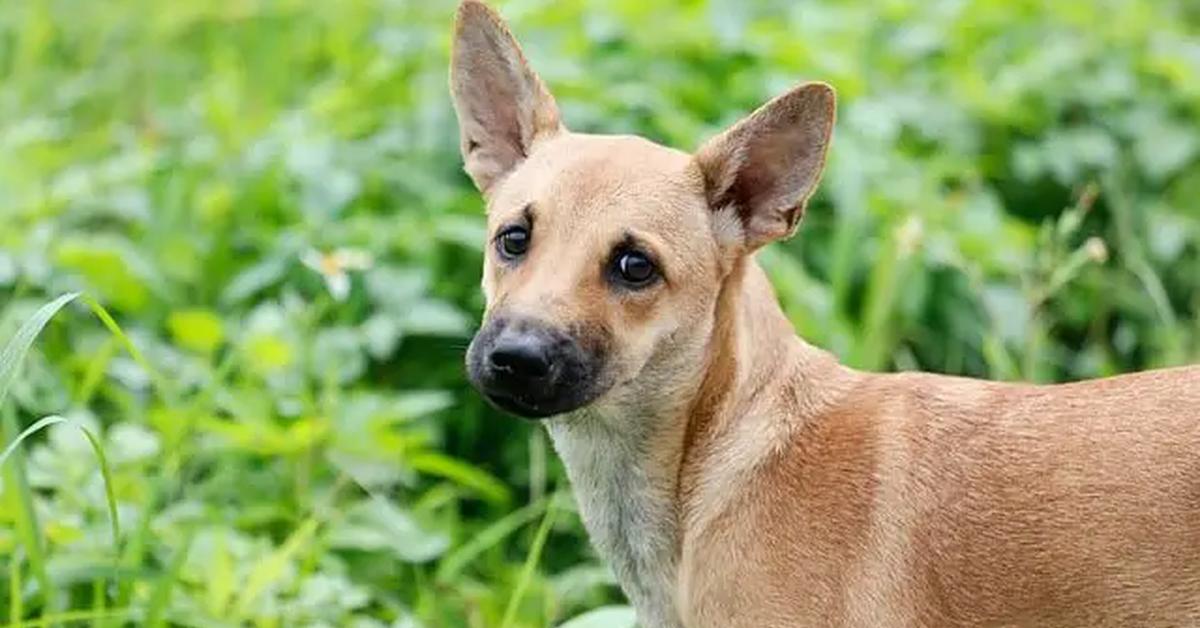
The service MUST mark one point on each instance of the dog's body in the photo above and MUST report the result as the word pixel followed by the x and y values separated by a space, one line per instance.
pixel 803 493
pixel 734 475
pixel 813 495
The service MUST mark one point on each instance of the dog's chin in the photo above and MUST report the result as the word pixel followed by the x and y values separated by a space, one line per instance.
pixel 531 408
pixel 536 404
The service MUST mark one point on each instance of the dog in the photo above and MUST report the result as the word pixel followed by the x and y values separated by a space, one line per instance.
pixel 734 475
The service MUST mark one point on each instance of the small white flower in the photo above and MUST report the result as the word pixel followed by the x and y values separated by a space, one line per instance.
pixel 334 267
pixel 909 236
pixel 1097 251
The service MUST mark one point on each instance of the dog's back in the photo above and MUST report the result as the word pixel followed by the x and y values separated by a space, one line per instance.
pixel 927 500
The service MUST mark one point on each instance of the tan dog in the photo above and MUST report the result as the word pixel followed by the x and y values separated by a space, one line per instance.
pixel 734 475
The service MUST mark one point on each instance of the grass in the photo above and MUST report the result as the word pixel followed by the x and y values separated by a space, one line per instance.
pixel 264 574
pixel 531 563
pixel 46 422
pixel 26 518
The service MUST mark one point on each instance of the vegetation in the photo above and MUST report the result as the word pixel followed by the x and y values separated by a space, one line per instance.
pixel 262 206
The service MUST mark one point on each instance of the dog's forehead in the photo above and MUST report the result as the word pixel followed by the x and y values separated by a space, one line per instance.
pixel 595 175
pixel 626 158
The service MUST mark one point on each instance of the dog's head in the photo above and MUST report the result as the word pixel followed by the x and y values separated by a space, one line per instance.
pixel 606 254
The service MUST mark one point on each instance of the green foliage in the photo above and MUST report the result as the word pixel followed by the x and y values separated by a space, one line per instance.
pixel 267 197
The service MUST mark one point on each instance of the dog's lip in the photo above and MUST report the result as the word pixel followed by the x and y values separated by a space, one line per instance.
pixel 517 406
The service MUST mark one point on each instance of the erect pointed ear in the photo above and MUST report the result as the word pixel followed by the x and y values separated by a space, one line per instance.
pixel 766 166
pixel 503 107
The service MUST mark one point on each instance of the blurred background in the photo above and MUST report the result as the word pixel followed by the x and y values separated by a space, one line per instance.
pixel 267 197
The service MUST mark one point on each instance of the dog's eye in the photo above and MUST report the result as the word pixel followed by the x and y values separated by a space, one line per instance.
pixel 513 242
pixel 635 268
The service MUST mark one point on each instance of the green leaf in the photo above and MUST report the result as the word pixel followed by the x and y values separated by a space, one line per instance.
pixel 112 266
pixel 378 525
pixel 1163 148
pixel 434 318
pixel 485 484
pixel 337 355
pixel 416 404
pixel 381 335
pixel 268 353
pixel 197 330
pixel 273 567
pixel 253 280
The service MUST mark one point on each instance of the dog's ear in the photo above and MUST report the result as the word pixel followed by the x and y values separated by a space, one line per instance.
pixel 766 166
pixel 503 107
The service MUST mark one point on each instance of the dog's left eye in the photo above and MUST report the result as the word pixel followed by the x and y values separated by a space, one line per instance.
pixel 635 268
pixel 513 242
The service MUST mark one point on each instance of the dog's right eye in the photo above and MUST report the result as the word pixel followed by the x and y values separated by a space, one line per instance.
pixel 513 242
pixel 633 270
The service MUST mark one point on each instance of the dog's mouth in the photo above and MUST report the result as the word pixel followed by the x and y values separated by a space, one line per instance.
pixel 539 400
pixel 531 370
pixel 526 407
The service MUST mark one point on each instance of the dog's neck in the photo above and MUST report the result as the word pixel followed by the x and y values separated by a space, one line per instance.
pixel 631 462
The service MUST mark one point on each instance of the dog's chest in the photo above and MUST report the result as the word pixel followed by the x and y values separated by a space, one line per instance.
pixel 627 508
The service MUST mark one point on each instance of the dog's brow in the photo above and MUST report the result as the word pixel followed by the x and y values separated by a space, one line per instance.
pixel 524 218
pixel 645 241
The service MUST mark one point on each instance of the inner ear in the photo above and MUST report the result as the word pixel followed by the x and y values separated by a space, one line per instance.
pixel 503 107
pixel 766 166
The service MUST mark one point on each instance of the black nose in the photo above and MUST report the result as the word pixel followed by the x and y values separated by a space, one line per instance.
pixel 532 369
pixel 521 355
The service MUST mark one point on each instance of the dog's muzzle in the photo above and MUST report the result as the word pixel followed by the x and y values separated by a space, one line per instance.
pixel 528 368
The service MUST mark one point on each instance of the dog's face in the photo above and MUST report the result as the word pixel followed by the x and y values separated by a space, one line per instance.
pixel 600 251
pixel 606 254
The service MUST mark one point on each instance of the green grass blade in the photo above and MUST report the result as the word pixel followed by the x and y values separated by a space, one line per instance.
pixel 105 472
pixel 459 472
pixel 164 388
pixel 94 374
pixel 223 578
pixel 29 431
pixel 156 611
pixel 139 540
pixel 489 537
pixel 531 561
pixel 270 569
pixel 11 357
pixel 109 495
pixel 14 352
pixel 28 530
pixel 99 600
pixel 14 590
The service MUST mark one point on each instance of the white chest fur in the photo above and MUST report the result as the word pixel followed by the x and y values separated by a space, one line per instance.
pixel 626 496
